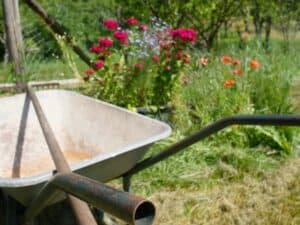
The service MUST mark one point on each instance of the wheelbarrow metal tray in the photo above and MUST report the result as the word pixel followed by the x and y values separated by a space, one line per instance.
pixel 99 140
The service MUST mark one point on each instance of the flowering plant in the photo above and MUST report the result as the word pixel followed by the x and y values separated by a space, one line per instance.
pixel 138 65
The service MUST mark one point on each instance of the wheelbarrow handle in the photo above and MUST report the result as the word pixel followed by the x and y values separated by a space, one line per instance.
pixel 130 208
pixel 81 210
pixel 269 120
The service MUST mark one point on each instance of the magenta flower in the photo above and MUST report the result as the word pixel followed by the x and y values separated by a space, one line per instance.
pixel 99 64
pixel 121 36
pixel 132 21
pixel 96 49
pixel 105 42
pixel 110 24
pixel 185 34
pixel 89 72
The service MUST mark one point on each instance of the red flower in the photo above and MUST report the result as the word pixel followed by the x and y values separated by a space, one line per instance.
pixel 186 61
pixel 226 59
pixel 99 64
pixel 236 62
pixel 121 36
pixel 155 58
pixel 89 72
pixel 229 83
pixel 139 66
pixel 185 34
pixel 110 24
pixel 105 42
pixel 238 71
pixel 143 27
pixel 203 61
pixel 180 55
pixel 132 21
pixel 254 64
pixel 96 49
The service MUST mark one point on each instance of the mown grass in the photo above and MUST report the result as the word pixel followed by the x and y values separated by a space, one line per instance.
pixel 220 180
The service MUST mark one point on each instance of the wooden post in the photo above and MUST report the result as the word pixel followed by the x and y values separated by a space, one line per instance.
pixel 13 35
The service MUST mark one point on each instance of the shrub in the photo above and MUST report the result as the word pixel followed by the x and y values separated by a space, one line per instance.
pixel 138 65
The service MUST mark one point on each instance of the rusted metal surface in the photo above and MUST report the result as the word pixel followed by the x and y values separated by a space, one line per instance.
pixel 128 207
pixel 263 120
pixel 80 208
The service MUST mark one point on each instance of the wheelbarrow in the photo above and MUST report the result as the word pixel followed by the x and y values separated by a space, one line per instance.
pixel 99 141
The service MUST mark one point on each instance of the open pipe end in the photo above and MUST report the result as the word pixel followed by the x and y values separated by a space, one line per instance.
pixel 144 213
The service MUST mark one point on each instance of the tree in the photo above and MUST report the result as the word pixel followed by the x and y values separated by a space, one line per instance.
pixel 207 17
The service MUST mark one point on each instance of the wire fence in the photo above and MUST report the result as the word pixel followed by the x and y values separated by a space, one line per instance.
pixel 47 56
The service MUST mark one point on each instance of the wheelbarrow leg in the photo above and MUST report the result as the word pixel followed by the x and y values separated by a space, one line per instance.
pixel 127 183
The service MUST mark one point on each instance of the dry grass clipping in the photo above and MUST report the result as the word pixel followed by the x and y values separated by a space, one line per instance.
pixel 274 200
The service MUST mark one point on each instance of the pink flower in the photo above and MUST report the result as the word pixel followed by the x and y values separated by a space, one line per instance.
pixel 143 27
pixel 89 72
pixel 121 36
pixel 99 64
pixel 105 42
pixel 155 58
pixel 203 61
pixel 110 24
pixel 132 21
pixel 185 34
pixel 96 49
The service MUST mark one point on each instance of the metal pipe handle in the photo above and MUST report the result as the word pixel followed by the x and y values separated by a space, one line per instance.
pixel 274 120
pixel 130 208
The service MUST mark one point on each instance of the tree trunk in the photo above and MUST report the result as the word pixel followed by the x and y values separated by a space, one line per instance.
pixel 268 31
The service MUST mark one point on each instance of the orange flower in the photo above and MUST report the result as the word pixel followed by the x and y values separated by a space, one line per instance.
pixel 226 59
pixel 254 64
pixel 203 61
pixel 229 83
pixel 238 71
pixel 236 62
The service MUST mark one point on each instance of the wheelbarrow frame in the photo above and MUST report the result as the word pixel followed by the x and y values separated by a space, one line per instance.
pixel 261 120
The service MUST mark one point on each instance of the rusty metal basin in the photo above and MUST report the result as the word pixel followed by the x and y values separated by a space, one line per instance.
pixel 99 140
